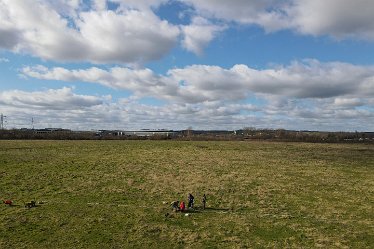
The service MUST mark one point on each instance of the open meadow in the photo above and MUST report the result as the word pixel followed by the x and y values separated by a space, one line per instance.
pixel 112 194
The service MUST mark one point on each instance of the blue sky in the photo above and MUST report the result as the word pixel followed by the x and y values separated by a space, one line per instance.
pixel 173 64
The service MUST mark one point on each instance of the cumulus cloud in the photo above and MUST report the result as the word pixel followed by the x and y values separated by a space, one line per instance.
pixel 348 102
pixel 131 36
pixel 200 83
pixel 52 99
pixel 123 36
pixel 8 38
pixel 64 108
pixel 199 34
pixel 303 95
pixel 268 14
pixel 65 7
pixel 320 114
pixel 140 4
pixel 337 18
pixel 126 114
pixel 140 81
pixel 132 33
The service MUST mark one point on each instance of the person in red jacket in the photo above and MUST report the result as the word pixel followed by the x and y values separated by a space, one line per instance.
pixel 8 202
pixel 182 206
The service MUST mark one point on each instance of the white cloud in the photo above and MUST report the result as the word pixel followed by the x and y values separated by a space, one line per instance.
pixel 304 95
pixel 99 5
pixel 337 18
pixel 76 30
pixel 4 60
pixel 59 99
pixel 66 8
pixel 348 102
pixel 64 108
pixel 200 83
pixel 266 13
pixel 140 81
pixel 199 34
pixel 242 11
pixel 126 36
pixel 139 4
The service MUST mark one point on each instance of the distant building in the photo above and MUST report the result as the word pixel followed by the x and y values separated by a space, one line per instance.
pixel 141 133
pixel 51 130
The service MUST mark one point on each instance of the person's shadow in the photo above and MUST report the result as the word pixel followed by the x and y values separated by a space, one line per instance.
pixel 193 210
pixel 14 205
pixel 216 209
pixel 199 209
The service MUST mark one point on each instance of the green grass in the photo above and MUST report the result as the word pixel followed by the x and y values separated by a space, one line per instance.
pixel 110 194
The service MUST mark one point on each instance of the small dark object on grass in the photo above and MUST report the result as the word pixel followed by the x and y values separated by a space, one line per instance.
pixel 204 201
pixel 8 202
pixel 30 204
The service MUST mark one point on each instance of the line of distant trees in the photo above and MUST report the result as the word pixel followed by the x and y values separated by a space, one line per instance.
pixel 282 135
pixel 307 136
pixel 195 135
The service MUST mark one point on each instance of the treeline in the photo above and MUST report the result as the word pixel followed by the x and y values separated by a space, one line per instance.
pixel 307 136
pixel 63 134
pixel 196 135
pixel 53 135
pixel 281 135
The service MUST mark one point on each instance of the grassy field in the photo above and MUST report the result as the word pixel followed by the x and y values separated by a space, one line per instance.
pixel 110 194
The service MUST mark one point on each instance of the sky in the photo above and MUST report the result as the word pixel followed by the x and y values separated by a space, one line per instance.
pixel 175 64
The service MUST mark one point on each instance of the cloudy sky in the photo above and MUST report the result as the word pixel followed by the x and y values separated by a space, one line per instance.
pixel 173 64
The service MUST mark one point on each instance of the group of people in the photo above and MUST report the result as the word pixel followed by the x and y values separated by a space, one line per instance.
pixel 181 206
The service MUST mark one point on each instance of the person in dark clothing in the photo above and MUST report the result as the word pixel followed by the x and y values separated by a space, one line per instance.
pixel 175 206
pixel 190 200
pixel 204 201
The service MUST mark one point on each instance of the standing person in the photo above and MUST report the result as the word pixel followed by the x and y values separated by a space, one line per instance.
pixel 190 200
pixel 204 201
